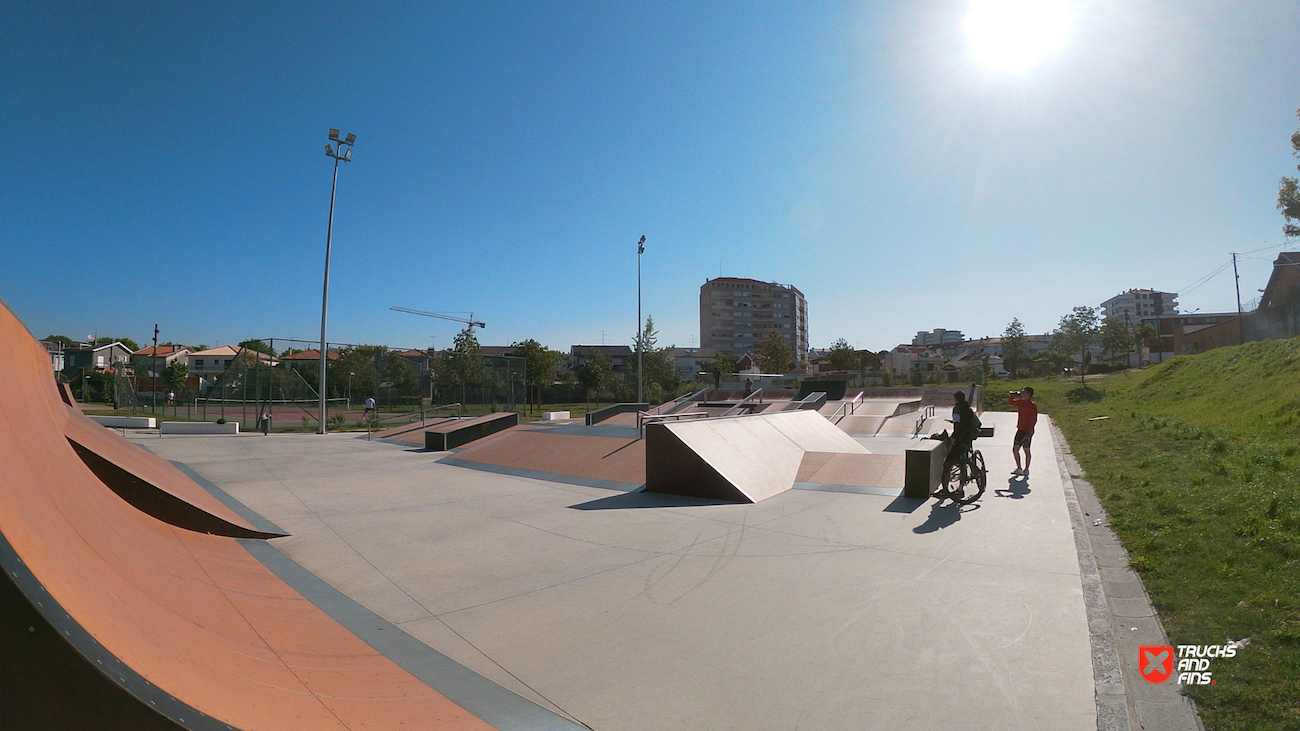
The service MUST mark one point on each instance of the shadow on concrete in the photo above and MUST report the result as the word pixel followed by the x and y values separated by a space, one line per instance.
pixel 902 504
pixel 940 517
pixel 1017 488
pixel 631 500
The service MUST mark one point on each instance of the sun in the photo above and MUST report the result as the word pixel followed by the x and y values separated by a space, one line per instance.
pixel 1016 35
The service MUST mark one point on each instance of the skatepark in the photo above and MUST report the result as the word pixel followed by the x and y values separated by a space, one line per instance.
pixel 725 570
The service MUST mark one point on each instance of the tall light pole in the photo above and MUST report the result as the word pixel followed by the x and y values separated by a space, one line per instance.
pixel 339 156
pixel 640 337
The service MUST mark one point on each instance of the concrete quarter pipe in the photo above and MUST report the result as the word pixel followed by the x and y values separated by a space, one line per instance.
pixel 117 618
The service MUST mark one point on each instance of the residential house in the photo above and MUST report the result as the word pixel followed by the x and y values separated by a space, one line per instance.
pixel 149 362
pixel 92 357
pixel 620 356
pixel 55 350
pixel 690 361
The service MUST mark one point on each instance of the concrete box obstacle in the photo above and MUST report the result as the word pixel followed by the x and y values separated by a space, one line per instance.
pixel 125 422
pixel 741 459
pixel 198 427
pixel 555 415
pixel 115 618
pixel 456 432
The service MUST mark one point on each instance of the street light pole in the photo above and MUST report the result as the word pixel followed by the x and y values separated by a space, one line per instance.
pixel 640 338
pixel 329 236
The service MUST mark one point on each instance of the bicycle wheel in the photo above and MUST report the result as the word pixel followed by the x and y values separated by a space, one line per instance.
pixel 979 479
pixel 951 480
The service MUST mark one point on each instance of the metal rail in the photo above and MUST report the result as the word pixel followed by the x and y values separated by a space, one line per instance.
pixel 926 413
pixel 680 402
pixel 755 394
pixel 851 405
pixel 645 417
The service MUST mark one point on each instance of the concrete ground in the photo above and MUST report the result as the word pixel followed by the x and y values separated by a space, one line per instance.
pixel 810 610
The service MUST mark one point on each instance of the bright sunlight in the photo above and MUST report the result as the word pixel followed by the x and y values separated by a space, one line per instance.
pixel 1016 35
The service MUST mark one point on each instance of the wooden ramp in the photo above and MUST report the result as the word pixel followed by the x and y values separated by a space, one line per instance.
pixel 115 618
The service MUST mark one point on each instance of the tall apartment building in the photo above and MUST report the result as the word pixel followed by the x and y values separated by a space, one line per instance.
pixel 1136 304
pixel 735 314
pixel 938 338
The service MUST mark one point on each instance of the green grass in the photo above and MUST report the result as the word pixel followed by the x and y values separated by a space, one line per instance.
pixel 1197 467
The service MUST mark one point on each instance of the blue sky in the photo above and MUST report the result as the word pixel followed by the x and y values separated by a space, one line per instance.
pixel 164 162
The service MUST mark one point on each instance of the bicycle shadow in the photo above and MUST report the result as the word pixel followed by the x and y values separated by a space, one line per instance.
pixel 943 515
pixel 1017 488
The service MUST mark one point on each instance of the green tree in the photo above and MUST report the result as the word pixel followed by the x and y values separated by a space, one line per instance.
pixel 356 367
pixel 1015 346
pixel 1288 193
pixel 540 364
pixel 1114 337
pixel 869 361
pixel 842 355
pixel 1146 336
pixel 128 342
pixel 64 339
pixel 1076 333
pixel 595 374
pixel 462 367
pixel 258 346
pixel 773 355
pixel 722 363
pixel 175 373
pixel 661 374
pixel 401 375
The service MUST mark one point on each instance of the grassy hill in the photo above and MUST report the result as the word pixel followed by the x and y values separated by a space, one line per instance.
pixel 1198 466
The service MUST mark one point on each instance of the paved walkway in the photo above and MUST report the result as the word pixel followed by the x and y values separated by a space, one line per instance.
pixel 810 610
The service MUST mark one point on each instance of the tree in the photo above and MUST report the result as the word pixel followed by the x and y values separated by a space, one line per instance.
pixel 258 346
pixel 842 355
pixel 401 375
pixel 661 374
pixel 722 363
pixel 595 374
pixel 175 373
pixel 356 369
pixel 463 365
pixel 1015 346
pixel 63 339
pixel 1145 336
pixel 773 355
pixel 1288 193
pixel 540 364
pixel 1076 333
pixel 128 342
pixel 1114 337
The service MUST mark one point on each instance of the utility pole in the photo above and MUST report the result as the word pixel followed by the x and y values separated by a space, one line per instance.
pixel 640 338
pixel 339 157
pixel 154 380
pixel 1241 333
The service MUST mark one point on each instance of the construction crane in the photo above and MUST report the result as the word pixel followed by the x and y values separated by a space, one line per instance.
pixel 471 322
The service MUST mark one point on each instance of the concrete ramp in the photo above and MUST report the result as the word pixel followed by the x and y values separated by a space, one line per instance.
pixel 116 619
pixel 855 470
pixel 743 459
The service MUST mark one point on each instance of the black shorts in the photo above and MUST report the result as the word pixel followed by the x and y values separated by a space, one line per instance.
pixel 1024 438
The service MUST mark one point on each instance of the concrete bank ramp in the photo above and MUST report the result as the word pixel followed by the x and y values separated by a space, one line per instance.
pixel 115 619
pixel 743 459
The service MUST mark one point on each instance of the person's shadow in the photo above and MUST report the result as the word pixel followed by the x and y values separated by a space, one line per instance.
pixel 1017 488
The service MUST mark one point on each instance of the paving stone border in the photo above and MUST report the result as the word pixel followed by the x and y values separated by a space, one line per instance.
pixel 1120 617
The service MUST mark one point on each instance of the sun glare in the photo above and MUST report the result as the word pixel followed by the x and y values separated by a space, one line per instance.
pixel 1016 35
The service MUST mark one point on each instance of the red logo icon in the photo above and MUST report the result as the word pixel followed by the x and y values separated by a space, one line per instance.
pixel 1156 662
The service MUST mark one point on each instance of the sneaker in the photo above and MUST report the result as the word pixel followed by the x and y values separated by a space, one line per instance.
pixel 957 495
pixel 1024 472
pixel 1017 471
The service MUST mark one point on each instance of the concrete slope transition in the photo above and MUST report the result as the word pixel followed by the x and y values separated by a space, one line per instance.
pixel 183 629
pixel 745 459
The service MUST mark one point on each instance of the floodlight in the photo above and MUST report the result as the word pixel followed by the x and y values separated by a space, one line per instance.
pixel 329 150
pixel 347 156
pixel 334 134
pixel 351 138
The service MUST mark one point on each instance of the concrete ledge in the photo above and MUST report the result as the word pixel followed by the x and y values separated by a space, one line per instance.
pixel 555 415
pixel 127 422
pixel 458 432
pixel 924 467
pixel 599 415
pixel 199 427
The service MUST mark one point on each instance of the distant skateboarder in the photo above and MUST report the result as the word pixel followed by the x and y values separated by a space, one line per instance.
pixel 370 406
pixel 1028 410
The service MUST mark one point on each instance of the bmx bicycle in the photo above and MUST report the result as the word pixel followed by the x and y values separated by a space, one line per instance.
pixel 964 477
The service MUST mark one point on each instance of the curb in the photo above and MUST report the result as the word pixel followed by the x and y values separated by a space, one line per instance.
pixel 1120 616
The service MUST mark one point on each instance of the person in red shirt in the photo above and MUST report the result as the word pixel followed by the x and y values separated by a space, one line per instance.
pixel 1024 427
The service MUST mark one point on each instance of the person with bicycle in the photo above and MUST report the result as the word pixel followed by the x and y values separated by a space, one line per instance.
pixel 965 428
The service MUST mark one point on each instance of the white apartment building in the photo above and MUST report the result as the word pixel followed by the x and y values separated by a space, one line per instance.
pixel 737 314
pixel 1137 304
